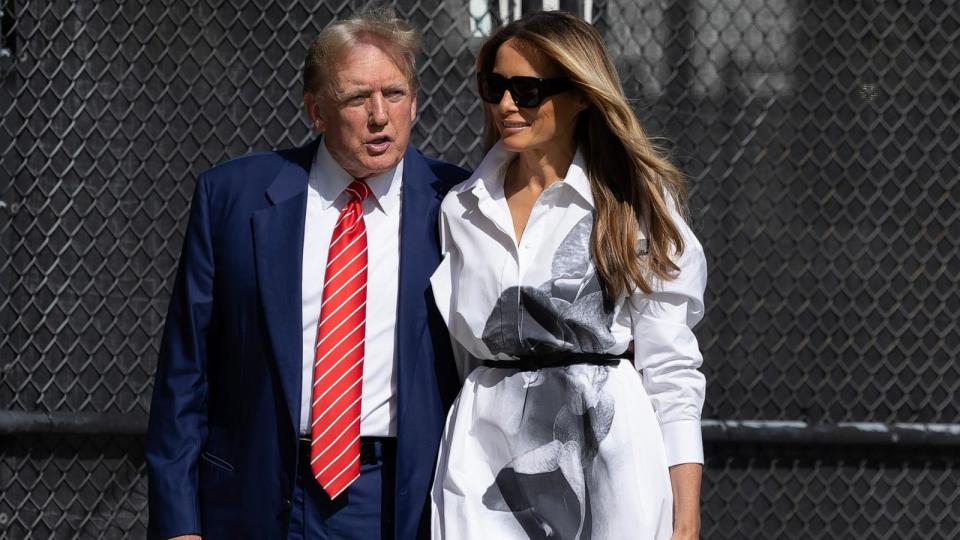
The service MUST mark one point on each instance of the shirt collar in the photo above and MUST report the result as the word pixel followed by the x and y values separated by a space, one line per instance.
pixel 487 180
pixel 577 177
pixel 329 180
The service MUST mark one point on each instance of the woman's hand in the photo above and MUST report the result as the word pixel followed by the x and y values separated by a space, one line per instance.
pixel 685 480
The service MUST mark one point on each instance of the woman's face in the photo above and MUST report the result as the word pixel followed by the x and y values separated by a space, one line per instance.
pixel 546 127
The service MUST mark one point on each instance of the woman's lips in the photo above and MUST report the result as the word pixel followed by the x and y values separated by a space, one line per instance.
pixel 509 128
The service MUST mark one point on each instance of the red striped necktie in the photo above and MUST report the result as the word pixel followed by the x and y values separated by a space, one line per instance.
pixel 338 359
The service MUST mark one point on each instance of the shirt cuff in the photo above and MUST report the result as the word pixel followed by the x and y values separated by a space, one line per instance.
pixel 683 442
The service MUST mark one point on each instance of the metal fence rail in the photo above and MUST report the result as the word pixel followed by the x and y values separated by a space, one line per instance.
pixel 714 431
pixel 821 141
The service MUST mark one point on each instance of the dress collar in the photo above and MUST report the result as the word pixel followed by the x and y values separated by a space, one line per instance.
pixel 487 180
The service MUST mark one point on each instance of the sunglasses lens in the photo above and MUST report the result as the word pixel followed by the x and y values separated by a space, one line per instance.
pixel 491 87
pixel 525 91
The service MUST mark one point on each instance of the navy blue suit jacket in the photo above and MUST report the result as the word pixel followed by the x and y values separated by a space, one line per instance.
pixel 222 442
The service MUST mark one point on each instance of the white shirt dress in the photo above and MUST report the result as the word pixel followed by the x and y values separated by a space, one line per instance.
pixel 575 452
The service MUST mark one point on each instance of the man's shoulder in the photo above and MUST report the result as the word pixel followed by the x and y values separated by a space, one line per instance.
pixel 447 173
pixel 255 168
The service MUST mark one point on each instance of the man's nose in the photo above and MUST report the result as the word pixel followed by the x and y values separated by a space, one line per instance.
pixel 378 111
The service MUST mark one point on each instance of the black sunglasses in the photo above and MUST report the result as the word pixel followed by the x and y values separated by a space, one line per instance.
pixel 525 91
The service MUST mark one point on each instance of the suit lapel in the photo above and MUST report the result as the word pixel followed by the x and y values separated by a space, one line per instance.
pixel 278 250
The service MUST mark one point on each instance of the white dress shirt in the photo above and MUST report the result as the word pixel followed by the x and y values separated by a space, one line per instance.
pixel 381 214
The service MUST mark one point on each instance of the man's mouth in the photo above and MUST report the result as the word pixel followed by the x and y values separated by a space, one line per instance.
pixel 378 145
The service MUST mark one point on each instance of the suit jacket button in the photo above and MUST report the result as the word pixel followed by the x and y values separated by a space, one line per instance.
pixel 285 508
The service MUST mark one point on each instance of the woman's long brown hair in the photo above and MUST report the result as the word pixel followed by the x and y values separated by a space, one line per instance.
pixel 631 180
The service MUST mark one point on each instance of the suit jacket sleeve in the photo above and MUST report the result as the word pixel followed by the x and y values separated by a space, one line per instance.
pixel 178 412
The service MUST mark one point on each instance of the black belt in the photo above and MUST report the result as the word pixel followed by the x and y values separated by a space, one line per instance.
pixel 372 449
pixel 535 362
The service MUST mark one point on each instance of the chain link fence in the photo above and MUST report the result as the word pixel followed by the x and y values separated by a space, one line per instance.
pixel 821 141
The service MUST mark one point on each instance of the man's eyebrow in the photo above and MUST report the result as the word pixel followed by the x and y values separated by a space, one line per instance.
pixel 352 92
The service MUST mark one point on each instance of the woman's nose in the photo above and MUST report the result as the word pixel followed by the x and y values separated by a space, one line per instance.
pixel 506 102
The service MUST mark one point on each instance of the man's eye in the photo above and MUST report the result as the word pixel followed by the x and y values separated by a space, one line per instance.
pixel 355 100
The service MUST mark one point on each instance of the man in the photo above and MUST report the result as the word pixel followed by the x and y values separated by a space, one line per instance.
pixel 304 372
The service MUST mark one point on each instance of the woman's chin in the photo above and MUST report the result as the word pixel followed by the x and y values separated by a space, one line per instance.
pixel 516 143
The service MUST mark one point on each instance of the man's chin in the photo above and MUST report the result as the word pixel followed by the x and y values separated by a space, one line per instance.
pixel 376 165
pixel 385 161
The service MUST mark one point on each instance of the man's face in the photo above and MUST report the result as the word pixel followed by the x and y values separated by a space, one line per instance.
pixel 366 111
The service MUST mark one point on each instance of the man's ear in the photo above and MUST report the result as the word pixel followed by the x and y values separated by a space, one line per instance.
pixel 311 104
pixel 413 108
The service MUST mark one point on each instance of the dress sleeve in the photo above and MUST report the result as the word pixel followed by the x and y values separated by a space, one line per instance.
pixel 667 354
pixel 444 283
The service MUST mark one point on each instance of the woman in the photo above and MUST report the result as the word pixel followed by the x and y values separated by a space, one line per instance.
pixel 563 248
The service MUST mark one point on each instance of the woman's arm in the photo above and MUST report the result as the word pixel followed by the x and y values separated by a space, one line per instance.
pixel 444 283
pixel 685 479
pixel 668 356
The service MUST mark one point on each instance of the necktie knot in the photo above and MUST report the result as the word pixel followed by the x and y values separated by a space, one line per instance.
pixel 358 190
